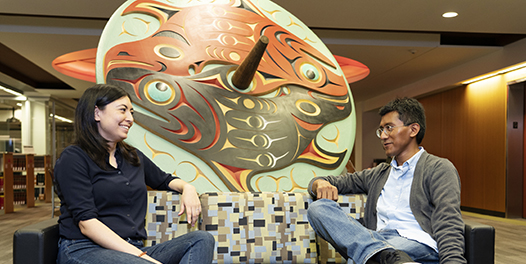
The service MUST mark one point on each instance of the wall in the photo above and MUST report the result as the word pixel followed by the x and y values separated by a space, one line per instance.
pixel 468 126
pixel 35 128
pixel 41 132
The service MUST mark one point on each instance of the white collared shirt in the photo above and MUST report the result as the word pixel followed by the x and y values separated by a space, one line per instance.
pixel 393 207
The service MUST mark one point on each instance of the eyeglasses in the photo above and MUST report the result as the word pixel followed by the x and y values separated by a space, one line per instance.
pixel 386 129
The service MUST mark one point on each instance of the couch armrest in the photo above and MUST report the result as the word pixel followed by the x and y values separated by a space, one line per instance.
pixel 480 243
pixel 37 243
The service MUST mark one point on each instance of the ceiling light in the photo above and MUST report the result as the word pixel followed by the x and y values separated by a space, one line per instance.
pixel 63 119
pixel 483 77
pixel 13 92
pixel 489 75
pixel 450 14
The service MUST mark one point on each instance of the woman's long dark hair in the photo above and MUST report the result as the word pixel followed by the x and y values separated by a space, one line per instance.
pixel 87 134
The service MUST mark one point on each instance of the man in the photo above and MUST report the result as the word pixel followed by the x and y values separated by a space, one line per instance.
pixel 413 206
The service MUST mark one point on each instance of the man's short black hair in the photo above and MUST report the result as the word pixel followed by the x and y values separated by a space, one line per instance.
pixel 410 111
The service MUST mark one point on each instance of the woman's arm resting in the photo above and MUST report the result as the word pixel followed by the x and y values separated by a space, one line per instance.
pixel 189 200
pixel 105 237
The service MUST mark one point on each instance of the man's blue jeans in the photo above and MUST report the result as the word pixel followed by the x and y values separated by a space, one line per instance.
pixel 194 247
pixel 354 241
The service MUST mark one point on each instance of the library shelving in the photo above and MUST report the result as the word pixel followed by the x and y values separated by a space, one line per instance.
pixel 18 182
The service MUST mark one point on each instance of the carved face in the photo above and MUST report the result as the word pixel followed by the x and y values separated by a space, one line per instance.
pixel 180 77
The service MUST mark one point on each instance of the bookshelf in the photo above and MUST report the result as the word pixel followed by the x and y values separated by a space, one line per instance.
pixel 20 183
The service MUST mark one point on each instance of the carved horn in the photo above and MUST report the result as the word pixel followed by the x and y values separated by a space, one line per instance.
pixel 246 71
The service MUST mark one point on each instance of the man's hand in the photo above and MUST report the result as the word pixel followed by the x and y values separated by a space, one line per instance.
pixel 324 189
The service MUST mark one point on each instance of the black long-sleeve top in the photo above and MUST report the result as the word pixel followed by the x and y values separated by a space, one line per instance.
pixel 116 197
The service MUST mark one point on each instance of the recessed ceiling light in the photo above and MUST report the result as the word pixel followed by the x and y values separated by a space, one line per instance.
pixel 450 14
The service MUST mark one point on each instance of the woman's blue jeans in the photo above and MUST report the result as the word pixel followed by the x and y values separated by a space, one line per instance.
pixel 354 241
pixel 195 247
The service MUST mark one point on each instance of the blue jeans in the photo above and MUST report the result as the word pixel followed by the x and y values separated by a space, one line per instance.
pixel 195 247
pixel 354 241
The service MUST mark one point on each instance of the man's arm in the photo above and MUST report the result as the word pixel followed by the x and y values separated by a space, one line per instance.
pixel 362 182
pixel 446 217
pixel 329 187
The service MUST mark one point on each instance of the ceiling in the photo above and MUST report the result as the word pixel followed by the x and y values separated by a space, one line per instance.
pixel 400 41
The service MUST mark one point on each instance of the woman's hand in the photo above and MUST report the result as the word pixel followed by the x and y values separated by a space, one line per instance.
pixel 190 201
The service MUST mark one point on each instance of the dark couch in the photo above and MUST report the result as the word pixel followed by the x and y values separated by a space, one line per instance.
pixel 38 243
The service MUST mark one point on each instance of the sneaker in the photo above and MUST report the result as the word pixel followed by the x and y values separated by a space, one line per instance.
pixel 391 256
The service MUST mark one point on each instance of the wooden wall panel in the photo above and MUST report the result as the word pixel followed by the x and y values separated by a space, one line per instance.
pixel 432 139
pixel 487 141
pixel 467 125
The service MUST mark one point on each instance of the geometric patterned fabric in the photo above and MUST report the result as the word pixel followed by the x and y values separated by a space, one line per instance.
pixel 162 221
pixel 262 227
pixel 268 227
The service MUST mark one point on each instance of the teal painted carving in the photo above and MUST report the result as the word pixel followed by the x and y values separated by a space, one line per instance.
pixel 295 120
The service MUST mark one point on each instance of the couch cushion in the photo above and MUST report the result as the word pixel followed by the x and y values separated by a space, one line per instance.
pixel 353 205
pixel 261 227
pixel 162 221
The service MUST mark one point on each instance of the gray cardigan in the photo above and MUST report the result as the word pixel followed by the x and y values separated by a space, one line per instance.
pixel 434 200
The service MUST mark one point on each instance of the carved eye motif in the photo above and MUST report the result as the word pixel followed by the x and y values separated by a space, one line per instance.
pixel 159 92
pixel 310 72
pixel 169 52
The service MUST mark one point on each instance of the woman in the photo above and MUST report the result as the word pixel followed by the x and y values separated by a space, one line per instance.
pixel 102 185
